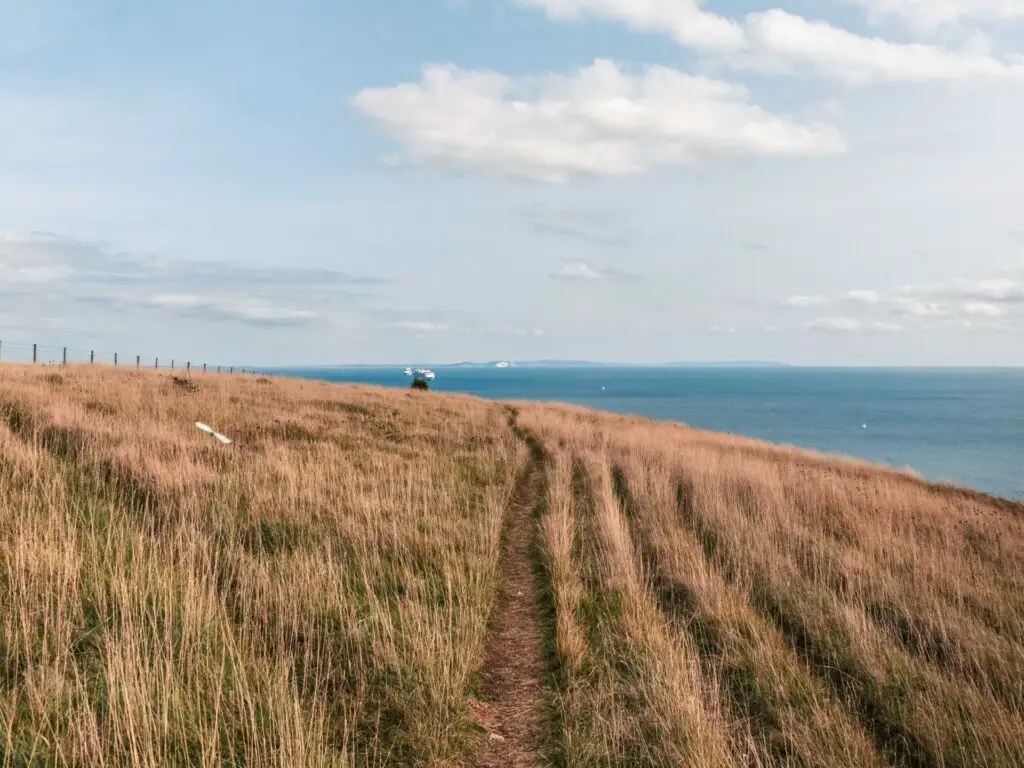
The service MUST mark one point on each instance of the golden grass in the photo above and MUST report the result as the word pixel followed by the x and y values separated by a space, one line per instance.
pixel 319 593
pixel 840 614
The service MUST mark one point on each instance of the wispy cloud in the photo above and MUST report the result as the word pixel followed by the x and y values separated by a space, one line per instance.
pixel 806 301
pixel 869 298
pixel 1003 290
pixel 983 309
pixel 962 302
pixel 586 272
pixel 778 42
pixel 927 15
pixel 418 326
pixel 850 325
pixel 590 227
pixel 43 269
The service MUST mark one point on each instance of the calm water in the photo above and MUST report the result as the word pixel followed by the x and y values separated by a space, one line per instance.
pixel 964 426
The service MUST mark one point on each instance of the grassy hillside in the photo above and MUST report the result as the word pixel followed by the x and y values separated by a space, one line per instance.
pixel 326 590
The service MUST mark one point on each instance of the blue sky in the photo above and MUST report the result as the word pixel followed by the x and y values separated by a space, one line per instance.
pixel 631 180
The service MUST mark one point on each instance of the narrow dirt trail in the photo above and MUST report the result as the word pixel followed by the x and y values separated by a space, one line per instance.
pixel 514 667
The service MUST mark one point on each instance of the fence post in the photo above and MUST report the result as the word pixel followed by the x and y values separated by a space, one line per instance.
pixel 92 356
pixel 138 361
pixel 156 364
pixel 172 363
pixel 188 366
pixel 115 358
pixel 65 355
pixel 204 367
pixel 35 353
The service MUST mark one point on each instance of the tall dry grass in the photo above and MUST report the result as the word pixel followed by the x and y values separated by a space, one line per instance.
pixel 316 594
pixel 319 593
pixel 840 614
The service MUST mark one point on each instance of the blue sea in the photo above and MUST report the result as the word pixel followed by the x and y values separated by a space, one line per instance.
pixel 956 425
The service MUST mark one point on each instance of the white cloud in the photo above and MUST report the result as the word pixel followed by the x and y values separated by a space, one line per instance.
pixel 42 271
pixel 1005 290
pixel 504 330
pixel 577 270
pixel 783 42
pixel 582 270
pixel 959 303
pixel 983 309
pixel 864 297
pixel 905 305
pixel 776 41
pixel 419 326
pixel 683 19
pixel 797 302
pixel 250 311
pixel 929 14
pixel 849 325
pixel 599 120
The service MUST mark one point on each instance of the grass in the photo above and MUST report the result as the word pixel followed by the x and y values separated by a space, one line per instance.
pixel 822 612
pixel 317 594
pixel 320 592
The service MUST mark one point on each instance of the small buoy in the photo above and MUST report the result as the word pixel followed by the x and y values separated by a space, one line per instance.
pixel 863 426
pixel 602 389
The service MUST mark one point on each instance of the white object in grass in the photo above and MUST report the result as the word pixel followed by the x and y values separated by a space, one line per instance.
pixel 211 431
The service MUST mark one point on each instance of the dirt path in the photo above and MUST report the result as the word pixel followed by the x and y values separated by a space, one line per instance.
pixel 514 667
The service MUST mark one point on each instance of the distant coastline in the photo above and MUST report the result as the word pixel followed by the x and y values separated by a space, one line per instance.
pixel 540 364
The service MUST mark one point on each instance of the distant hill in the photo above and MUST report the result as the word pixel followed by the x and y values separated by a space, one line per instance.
pixel 596 364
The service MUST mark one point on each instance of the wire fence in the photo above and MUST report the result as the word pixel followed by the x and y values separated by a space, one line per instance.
pixel 40 354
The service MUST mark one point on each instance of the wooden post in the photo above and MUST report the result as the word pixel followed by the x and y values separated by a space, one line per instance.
pixel 156 364
pixel 138 361
pixel 172 363
pixel 188 366
pixel 92 356
pixel 204 367
pixel 65 355
pixel 35 353
pixel 115 358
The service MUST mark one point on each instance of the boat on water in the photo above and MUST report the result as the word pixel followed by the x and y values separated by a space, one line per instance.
pixel 503 364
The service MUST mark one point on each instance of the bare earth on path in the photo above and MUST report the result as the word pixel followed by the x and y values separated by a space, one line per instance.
pixel 514 666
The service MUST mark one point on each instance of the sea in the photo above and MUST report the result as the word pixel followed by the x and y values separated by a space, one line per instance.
pixel 963 426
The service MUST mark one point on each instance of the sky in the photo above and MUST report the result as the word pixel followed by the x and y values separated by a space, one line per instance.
pixel 403 181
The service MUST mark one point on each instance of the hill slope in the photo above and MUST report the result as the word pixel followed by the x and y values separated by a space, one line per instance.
pixel 333 589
